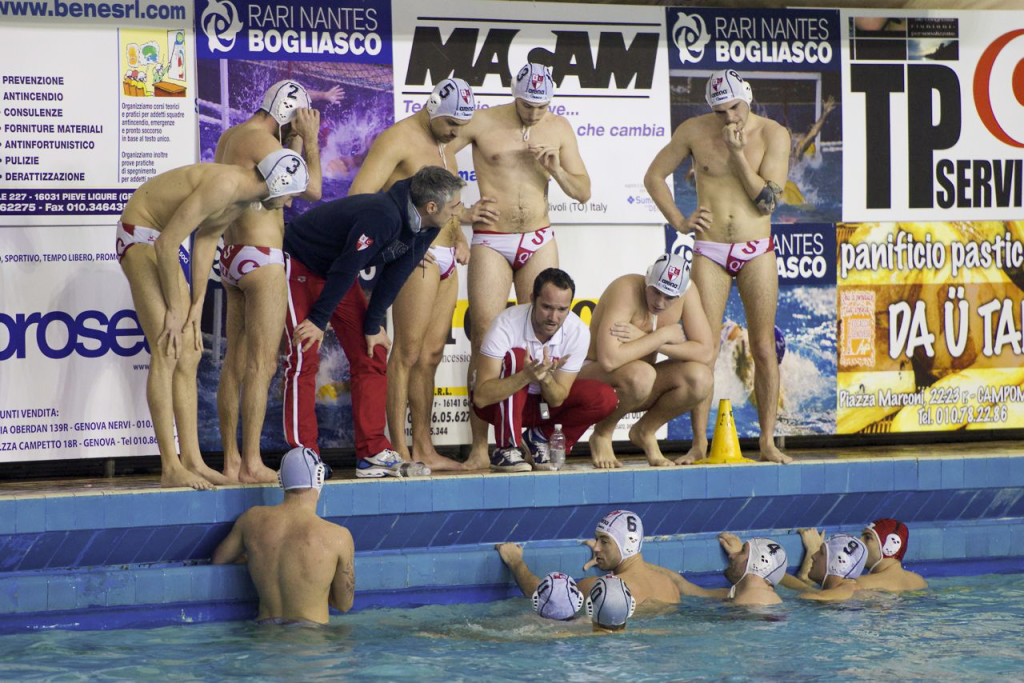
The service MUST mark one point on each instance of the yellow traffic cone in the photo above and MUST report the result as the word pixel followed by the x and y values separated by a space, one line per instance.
pixel 725 444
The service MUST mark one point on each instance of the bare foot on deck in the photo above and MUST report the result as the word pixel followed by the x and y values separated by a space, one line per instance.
pixel 209 474
pixel 181 477
pixel 646 440
pixel 769 453
pixel 435 461
pixel 479 459
pixel 601 453
pixel 257 475
pixel 698 451
pixel 232 465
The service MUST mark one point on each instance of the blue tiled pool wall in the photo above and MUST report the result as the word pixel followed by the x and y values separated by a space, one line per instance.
pixel 70 559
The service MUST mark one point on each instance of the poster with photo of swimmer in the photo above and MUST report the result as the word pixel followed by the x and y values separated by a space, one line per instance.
pixel 791 59
pixel 805 336
pixel 933 115
pixel 341 53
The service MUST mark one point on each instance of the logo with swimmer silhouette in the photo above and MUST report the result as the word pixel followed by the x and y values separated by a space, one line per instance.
pixel 221 24
pixel 690 35
pixel 153 63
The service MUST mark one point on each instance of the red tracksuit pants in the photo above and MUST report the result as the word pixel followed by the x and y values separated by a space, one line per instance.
pixel 588 402
pixel 368 375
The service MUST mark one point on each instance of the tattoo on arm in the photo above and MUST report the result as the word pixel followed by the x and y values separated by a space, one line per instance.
pixel 768 198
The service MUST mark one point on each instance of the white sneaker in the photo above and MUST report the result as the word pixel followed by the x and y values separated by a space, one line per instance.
pixel 388 463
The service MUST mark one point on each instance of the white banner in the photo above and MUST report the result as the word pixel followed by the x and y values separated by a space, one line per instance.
pixel 95 101
pixel 610 69
pixel 73 359
pixel 933 115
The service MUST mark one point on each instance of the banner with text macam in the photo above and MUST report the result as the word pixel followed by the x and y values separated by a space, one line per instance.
pixel 97 97
pixel 609 66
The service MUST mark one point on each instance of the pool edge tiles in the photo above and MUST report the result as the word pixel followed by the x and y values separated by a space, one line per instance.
pixel 421 539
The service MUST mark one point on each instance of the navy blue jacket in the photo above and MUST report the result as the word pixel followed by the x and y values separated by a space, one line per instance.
pixel 336 240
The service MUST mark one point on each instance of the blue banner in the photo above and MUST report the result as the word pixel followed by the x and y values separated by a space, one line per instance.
pixel 764 40
pixel 351 31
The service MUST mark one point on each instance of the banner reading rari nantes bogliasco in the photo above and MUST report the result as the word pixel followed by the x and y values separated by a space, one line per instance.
pixel 341 52
pixel 791 58
pixel 930 257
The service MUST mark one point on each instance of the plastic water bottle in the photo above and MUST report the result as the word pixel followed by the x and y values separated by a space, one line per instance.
pixel 556 448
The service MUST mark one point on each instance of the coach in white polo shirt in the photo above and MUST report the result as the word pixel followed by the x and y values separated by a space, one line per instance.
pixel 526 376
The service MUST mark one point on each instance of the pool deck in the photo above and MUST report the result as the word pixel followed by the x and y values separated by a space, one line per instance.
pixel 109 553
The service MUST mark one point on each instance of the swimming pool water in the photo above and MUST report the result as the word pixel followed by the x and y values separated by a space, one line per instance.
pixel 962 628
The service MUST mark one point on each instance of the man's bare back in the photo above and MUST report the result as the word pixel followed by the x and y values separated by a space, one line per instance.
pixel 227 190
pixel 295 558
pixel 299 562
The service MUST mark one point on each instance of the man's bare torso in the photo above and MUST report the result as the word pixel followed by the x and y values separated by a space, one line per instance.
pixel 639 316
pixel 508 171
pixel 244 145
pixel 734 216
pixel 420 149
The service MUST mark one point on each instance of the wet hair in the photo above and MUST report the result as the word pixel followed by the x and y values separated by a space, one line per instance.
pixel 559 278
pixel 434 184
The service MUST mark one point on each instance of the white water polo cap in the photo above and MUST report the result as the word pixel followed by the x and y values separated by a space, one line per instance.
pixel 845 557
pixel 610 603
pixel 283 99
pixel 285 173
pixel 301 468
pixel 557 597
pixel 451 97
pixel 766 559
pixel 533 83
pixel 670 273
pixel 725 86
pixel 626 530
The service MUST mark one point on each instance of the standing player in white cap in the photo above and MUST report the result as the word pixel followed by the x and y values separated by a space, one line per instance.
pixel 161 214
pixel 517 149
pixel 636 318
pixel 741 161
pixel 253 274
pixel 422 311
pixel 300 563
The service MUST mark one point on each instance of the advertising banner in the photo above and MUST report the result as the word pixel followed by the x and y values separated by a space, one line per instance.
pixel 105 101
pixel 791 59
pixel 610 73
pixel 340 52
pixel 933 121
pixel 930 326
pixel 805 340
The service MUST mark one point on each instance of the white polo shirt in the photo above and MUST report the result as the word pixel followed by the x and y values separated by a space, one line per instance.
pixel 512 330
